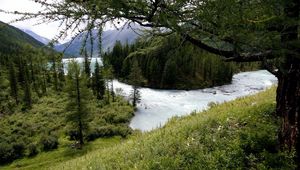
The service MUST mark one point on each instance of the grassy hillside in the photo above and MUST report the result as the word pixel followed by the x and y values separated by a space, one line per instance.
pixel 12 39
pixel 235 135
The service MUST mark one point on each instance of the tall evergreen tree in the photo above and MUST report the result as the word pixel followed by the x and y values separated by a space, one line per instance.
pixel 54 71
pixel 79 95
pixel 4 95
pixel 61 74
pixel 27 88
pixel 108 76
pixel 136 79
pixel 98 82
pixel 87 63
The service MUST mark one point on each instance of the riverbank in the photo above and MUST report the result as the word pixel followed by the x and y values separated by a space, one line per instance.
pixel 240 134
pixel 158 106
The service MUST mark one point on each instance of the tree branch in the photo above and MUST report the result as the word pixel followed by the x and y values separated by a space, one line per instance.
pixel 231 55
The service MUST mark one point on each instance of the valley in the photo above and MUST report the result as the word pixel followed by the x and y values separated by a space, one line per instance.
pixel 180 84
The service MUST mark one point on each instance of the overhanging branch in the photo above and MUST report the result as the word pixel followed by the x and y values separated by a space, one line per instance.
pixel 231 55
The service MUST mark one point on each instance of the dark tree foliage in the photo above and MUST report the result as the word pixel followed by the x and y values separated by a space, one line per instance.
pixel 168 62
pixel 79 96
pixel 13 82
pixel 87 63
pixel 136 79
pixel 98 81
pixel 117 55
pixel 27 88
pixel 54 71
pixel 108 76
pixel 4 95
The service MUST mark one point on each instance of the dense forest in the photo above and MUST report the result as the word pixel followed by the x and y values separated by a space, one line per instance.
pixel 44 106
pixel 172 63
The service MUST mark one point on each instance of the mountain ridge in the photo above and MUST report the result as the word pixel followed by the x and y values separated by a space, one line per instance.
pixel 109 38
pixel 36 36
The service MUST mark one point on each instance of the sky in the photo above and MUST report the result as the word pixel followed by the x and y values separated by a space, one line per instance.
pixel 45 30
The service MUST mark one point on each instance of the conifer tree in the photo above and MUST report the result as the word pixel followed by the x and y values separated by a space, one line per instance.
pixel 61 75
pixel 3 92
pixel 87 63
pixel 79 95
pixel 108 76
pixel 136 80
pixel 54 71
pixel 98 82
pixel 27 88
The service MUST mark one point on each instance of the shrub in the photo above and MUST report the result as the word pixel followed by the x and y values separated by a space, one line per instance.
pixel 108 131
pixel 32 150
pixel 6 152
pixel 73 134
pixel 49 142
pixel 18 150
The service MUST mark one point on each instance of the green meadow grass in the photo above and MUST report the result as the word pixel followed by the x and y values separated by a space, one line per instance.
pixel 62 154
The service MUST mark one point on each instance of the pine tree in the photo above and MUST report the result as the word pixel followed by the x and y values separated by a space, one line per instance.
pixel 4 95
pixel 61 75
pixel 108 75
pixel 27 88
pixel 87 63
pixel 169 73
pixel 135 79
pixel 79 95
pixel 98 82
pixel 54 71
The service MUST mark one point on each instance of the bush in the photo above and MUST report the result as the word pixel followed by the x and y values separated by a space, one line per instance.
pixel 73 134
pixel 32 150
pixel 6 152
pixel 108 131
pixel 49 142
pixel 18 150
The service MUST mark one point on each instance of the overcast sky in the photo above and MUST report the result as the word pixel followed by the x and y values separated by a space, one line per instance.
pixel 45 30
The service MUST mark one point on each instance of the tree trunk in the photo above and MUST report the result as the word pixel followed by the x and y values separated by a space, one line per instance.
pixel 80 128
pixel 288 107
pixel 288 91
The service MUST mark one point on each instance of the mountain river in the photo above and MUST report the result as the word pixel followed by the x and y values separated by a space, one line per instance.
pixel 158 106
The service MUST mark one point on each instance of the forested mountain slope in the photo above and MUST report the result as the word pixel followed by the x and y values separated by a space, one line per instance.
pixel 12 39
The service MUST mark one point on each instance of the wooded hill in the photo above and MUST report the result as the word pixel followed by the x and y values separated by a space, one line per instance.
pixel 13 39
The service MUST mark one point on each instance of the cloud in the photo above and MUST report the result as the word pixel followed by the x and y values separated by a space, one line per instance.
pixel 46 30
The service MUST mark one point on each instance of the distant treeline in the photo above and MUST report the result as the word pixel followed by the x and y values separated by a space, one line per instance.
pixel 171 63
